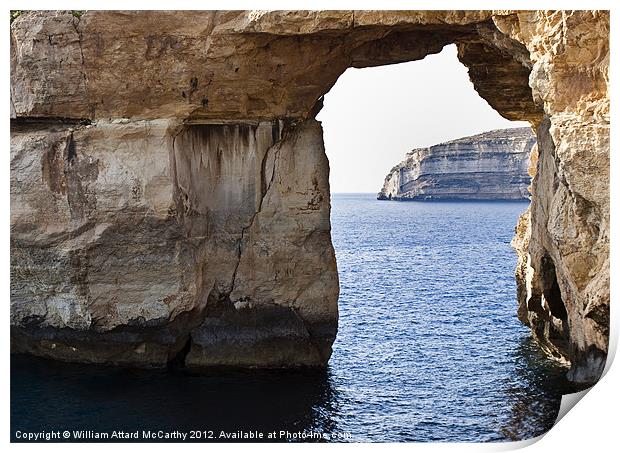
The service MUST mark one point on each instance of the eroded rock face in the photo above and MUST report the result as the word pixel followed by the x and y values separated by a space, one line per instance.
pixel 565 266
pixel 488 166
pixel 169 195
pixel 133 239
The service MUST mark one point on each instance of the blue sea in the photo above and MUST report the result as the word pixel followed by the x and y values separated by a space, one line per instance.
pixel 429 348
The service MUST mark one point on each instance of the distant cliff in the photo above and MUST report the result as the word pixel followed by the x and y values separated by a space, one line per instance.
pixel 488 166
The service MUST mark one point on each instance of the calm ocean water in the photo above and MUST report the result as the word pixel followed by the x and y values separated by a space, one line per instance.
pixel 429 348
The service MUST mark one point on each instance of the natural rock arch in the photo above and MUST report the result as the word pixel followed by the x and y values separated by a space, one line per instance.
pixel 186 141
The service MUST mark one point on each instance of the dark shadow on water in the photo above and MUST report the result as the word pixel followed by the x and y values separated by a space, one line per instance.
pixel 48 395
pixel 535 392
pixel 52 396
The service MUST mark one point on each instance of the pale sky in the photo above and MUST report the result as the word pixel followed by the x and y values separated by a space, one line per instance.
pixel 373 116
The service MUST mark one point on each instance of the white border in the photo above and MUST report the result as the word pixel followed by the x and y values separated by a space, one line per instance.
pixel 591 426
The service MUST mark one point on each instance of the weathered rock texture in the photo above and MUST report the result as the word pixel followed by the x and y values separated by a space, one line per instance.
pixel 169 187
pixel 488 166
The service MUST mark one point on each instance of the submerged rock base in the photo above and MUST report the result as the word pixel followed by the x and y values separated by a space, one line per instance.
pixel 263 337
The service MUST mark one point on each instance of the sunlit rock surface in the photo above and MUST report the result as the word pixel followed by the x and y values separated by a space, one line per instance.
pixel 488 166
pixel 169 187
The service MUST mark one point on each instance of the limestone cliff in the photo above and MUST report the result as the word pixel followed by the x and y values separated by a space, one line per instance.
pixel 169 186
pixel 488 166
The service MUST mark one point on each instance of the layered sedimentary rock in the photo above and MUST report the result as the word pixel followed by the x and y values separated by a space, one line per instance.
pixel 488 166
pixel 169 187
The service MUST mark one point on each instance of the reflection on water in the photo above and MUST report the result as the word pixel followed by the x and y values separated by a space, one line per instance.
pixel 429 348
pixel 535 396
pixel 49 396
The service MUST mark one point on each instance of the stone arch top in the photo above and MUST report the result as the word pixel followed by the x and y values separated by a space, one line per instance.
pixel 242 65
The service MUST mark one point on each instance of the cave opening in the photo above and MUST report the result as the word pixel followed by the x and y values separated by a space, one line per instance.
pixel 374 117
pixel 551 290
